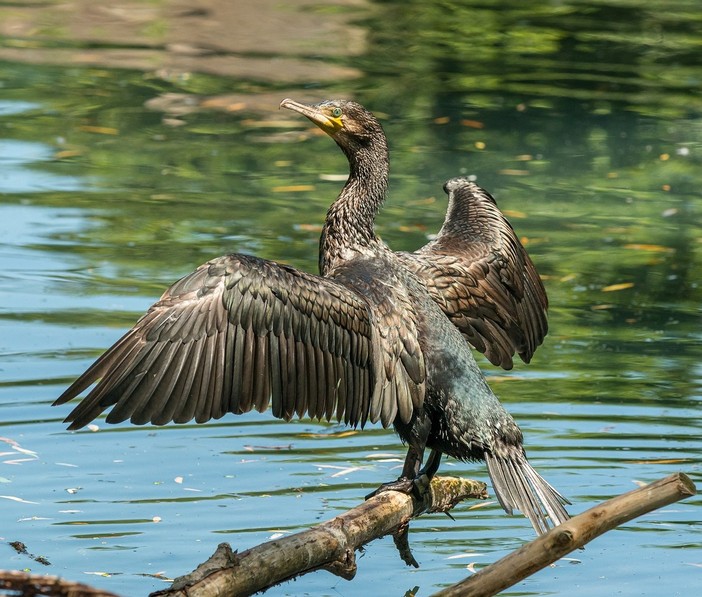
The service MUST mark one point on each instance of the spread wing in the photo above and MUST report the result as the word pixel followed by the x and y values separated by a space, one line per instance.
pixel 237 334
pixel 482 277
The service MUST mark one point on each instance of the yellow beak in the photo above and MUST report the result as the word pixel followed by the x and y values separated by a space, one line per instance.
pixel 329 124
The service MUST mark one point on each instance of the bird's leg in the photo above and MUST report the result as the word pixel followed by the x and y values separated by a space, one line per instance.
pixel 432 464
pixel 410 473
pixel 423 478
pixel 416 434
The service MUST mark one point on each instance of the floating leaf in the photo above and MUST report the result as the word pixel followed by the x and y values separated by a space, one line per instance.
pixel 100 130
pixel 617 287
pixel 345 433
pixel 308 227
pixel 651 248
pixel 223 103
pixel 473 124
pixel 660 461
pixel 514 172
pixel 67 153
pixel 293 188
pixel 156 575
pixel 250 448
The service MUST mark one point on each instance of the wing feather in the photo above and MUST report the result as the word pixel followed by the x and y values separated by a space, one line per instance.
pixel 178 401
pixel 482 277
pixel 149 383
pixel 164 413
pixel 261 380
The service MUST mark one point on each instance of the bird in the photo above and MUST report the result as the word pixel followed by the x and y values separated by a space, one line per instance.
pixel 363 342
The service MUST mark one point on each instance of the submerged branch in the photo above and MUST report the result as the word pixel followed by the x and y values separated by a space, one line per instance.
pixel 16 582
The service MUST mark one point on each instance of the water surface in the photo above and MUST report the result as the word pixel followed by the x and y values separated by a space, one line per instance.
pixel 126 161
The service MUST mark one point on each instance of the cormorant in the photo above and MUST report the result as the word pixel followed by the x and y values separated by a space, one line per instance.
pixel 363 341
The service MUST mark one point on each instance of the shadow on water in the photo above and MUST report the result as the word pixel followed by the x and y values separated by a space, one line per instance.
pixel 136 143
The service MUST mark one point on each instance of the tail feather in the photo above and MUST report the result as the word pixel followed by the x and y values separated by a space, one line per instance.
pixel 518 486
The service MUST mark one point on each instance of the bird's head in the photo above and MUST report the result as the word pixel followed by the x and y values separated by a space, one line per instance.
pixel 348 123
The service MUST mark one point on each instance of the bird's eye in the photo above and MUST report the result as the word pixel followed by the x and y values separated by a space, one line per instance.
pixel 336 112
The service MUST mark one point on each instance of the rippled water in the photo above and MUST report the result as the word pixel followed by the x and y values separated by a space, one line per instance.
pixel 582 118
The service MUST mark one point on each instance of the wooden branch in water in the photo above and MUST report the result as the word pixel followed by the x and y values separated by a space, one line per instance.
pixel 330 545
pixel 571 535
pixel 22 583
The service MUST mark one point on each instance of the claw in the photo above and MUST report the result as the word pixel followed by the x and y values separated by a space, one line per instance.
pixel 416 487
pixel 403 485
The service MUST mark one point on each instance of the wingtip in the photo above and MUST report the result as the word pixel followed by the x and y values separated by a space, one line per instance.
pixel 455 183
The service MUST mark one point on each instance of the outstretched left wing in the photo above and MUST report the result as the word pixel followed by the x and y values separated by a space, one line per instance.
pixel 482 277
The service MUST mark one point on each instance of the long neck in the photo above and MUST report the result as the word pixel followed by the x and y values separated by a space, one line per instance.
pixel 349 225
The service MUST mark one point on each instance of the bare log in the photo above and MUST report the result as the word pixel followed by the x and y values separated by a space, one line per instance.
pixel 330 545
pixel 571 535
pixel 22 583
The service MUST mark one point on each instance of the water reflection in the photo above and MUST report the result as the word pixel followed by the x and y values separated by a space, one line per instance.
pixel 16 158
pixel 583 120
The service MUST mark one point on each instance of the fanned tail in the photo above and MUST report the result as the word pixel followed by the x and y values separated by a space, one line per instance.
pixel 518 486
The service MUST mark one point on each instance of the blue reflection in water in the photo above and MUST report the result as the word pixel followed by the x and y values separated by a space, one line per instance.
pixel 17 175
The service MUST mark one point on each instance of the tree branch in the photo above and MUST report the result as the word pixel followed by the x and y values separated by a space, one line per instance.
pixel 330 545
pixel 22 583
pixel 571 535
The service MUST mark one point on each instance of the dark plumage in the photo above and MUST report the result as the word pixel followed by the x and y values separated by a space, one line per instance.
pixel 482 278
pixel 364 341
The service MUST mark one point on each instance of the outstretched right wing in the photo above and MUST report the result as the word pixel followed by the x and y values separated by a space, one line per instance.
pixel 237 332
